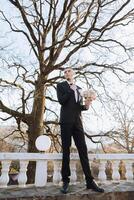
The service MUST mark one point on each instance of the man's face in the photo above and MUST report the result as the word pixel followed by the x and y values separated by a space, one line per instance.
pixel 68 74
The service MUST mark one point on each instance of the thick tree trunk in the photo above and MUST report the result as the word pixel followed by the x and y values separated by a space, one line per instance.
pixel 36 125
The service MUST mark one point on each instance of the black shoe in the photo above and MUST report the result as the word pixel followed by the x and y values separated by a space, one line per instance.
pixel 92 185
pixel 65 188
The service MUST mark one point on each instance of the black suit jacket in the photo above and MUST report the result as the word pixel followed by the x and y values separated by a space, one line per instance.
pixel 70 109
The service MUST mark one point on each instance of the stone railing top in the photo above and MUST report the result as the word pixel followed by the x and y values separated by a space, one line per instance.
pixel 58 156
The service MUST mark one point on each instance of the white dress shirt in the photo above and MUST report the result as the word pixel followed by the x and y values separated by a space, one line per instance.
pixel 75 89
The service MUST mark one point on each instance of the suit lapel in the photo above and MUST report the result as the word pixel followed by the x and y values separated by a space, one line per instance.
pixel 66 84
pixel 79 95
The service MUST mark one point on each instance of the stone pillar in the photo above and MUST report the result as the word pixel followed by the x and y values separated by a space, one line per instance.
pixel 22 178
pixel 41 173
pixel 116 175
pixel 129 170
pixel 4 178
pixel 102 174
pixel 57 173
pixel 73 177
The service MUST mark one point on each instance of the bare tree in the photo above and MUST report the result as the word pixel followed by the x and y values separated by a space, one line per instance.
pixel 123 133
pixel 56 31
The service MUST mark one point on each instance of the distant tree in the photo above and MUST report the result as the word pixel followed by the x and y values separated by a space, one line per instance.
pixel 123 132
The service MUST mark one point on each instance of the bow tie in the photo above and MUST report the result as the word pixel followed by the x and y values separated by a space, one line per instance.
pixel 71 84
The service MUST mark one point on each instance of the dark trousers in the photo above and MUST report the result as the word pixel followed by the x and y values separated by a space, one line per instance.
pixel 76 130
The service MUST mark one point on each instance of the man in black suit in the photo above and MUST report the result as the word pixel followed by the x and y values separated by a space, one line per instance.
pixel 71 125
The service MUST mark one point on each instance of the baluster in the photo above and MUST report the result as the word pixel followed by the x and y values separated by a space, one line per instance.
pixel 115 174
pixel 41 173
pixel 129 170
pixel 102 174
pixel 73 177
pixel 4 178
pixel 57 173
pixel 22 178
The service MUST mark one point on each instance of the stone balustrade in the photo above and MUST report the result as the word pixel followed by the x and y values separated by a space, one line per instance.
pixel 42 159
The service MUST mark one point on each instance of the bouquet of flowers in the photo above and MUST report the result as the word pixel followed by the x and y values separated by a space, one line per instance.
pixel 89 95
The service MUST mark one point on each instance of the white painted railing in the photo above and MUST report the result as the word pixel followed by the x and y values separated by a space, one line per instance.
pixel 42 159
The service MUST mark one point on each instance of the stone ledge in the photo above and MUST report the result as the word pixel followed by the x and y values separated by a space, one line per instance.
pixel 113 191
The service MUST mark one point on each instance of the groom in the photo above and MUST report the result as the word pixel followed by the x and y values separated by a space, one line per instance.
pixel 71 126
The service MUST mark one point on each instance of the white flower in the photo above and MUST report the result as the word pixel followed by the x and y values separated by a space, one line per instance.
pixel 89 95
